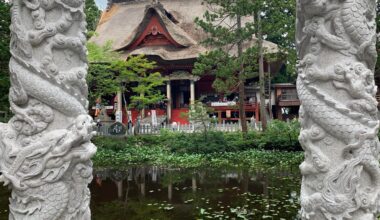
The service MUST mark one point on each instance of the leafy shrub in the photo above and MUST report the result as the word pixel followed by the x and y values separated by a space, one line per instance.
pixel 216 142
pixel 114 144
pixel 281 135
pixel 191 150
pixel 236 141
pixel 278 136
pixel 195 142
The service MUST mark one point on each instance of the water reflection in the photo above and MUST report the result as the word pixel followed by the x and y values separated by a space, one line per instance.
pixel 161 193
pixel 141 193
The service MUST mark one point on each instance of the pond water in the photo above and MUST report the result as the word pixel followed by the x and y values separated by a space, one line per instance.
pixel 143 193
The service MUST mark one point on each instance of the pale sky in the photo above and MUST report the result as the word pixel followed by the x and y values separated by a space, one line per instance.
pixel 102 4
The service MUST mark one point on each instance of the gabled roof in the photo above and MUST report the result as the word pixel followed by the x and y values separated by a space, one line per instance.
pixel 157 11
pixel 125 21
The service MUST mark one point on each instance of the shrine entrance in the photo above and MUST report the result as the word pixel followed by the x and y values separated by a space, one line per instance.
pixel 180 93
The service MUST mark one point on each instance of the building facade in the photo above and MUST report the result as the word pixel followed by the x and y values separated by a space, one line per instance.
pixel 165 32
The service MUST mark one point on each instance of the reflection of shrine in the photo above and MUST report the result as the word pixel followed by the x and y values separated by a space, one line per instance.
pixel 185 189
pixel 165 32
pixel 144 179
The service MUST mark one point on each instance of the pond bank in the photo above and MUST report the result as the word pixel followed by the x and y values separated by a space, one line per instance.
pixel 151 151
pixel 171 178
pixel 277 146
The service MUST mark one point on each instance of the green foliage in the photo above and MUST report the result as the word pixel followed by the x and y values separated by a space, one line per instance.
pixel 225 68
pixel 279 17
pixel 228 67
pixel 92 15
pixel 108 73
pixel 277 25
pixel 5 21
pixel 280 136
pixel 377 71
pixel 195 143
pixel 101 54
pixel 4 87
pixel 100 77
pixel 147 83
pixel 191 150
pixel 231 24
pixel 160 151
pixel 199 115
pixel 101 81
pixel 230 27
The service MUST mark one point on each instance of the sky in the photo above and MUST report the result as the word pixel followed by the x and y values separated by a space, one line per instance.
pixel 102 4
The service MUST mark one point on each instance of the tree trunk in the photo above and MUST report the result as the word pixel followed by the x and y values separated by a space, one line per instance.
pixel 142 113
pixel 261 75
pixel 242 117
pixel 270 92
pixel 126 106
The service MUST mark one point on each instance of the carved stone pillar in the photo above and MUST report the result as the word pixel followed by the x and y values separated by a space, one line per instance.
pixel 337 55
pixel 45 149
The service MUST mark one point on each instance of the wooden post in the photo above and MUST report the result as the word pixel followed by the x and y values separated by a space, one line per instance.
pixel 169 98
pixel 192 92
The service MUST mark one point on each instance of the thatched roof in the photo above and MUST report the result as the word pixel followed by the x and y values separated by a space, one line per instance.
pixel 124 20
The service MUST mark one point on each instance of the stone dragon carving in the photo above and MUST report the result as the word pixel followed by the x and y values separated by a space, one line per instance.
pixel 45 149
pixel 337 55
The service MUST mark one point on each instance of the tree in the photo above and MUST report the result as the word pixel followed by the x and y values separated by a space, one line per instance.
pixel 225 29
pixel 92 16
pixel 223 24
pixel 279 18
pixel 275 20
pixel 199 114
pixel 101 77
pixel 108 73
pixel 5 21
pixel 137 72
pixel 377 70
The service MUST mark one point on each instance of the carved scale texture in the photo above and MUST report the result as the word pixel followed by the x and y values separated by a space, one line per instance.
pixel 339 123
pixel 354 21
pixel 45 149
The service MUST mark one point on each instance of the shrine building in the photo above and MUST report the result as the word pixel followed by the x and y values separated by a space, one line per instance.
pixel 165 32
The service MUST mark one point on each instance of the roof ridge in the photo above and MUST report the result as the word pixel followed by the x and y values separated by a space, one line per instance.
pixel 111 2
pixel 176 33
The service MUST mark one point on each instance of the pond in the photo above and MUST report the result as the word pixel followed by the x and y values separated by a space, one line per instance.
pixel 140 193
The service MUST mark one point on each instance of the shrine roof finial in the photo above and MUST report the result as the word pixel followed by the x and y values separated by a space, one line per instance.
pixel 111 2
pixel 155 4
